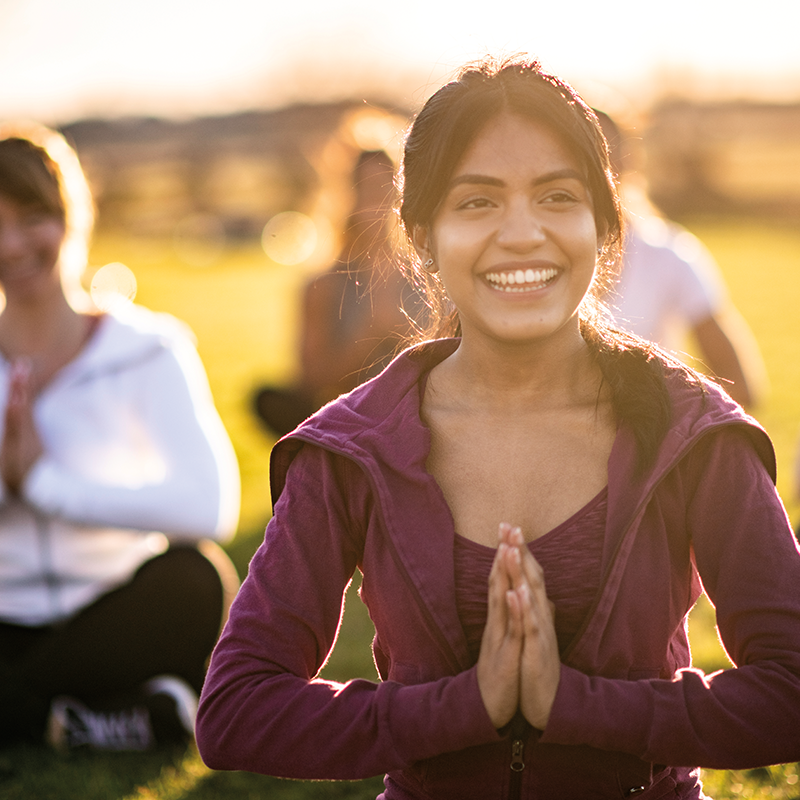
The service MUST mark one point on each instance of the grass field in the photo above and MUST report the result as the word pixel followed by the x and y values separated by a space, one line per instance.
pixel 242 309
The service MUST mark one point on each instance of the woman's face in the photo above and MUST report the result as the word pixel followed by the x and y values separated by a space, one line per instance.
pixel 515 239
pixel 30 244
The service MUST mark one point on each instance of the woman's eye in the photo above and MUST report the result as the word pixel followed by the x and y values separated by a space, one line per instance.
pixel 474 202
pixel 561 197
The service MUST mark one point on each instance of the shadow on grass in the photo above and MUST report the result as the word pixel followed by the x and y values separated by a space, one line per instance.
pixel 30 772
pixel 219 785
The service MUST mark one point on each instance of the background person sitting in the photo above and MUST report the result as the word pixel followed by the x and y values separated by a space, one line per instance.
pixel 351 316
pixel 115 467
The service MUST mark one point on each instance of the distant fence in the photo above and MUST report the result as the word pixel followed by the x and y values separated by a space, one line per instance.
pixel 151 175
pixel 722 158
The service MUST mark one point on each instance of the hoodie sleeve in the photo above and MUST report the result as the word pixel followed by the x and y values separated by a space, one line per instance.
pixel 749 563
pixel 263 708
pixel 163 402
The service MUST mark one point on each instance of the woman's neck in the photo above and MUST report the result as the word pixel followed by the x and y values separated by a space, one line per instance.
pixel 503 377
pixel 49 333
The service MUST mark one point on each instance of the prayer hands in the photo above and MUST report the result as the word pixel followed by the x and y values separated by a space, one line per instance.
pixel 518 665
pixel 21 445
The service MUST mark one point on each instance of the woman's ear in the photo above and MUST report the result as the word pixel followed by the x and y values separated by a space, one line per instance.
pixel 420 238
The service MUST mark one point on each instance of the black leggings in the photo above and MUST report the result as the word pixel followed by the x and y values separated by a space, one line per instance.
pixel 164 621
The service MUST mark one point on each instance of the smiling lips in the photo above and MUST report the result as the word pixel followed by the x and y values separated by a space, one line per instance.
pixel 520 280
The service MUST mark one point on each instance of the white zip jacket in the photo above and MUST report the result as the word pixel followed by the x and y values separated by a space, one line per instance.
pixel 135 456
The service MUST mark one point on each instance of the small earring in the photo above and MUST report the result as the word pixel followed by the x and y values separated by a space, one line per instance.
pixel 428 265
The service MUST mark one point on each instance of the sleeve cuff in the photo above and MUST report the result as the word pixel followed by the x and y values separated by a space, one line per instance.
pixel 599 712
pixel 456 714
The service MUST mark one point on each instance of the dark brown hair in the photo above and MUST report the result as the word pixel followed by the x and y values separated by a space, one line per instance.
pixel 29 177
pixel 39 169
pixel 436 141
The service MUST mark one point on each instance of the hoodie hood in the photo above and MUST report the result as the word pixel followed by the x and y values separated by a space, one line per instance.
pixel 359 424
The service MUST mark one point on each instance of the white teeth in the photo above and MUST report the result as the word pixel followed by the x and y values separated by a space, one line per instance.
pixel 521 280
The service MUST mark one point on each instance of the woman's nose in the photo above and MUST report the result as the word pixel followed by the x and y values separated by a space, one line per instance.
pixel 520 229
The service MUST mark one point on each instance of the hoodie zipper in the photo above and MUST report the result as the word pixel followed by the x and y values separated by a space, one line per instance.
pixel 517 765
pixel 49 577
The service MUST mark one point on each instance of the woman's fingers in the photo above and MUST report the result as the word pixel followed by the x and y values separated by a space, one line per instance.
pixel 540 664
pixel 501 646
pixel 532 573
pixel 540 667
pixel 19 393
pixel 519 663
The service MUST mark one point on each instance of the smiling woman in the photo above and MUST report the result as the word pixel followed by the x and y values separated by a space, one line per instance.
pixel 532 502
pixel 514 240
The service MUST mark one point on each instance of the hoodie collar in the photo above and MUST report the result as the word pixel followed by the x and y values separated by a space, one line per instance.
pixel 123 337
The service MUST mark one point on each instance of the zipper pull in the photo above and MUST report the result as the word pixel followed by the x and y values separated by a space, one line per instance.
pixel 517 764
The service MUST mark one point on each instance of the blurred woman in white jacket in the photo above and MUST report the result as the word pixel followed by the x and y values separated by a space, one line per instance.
pixel 116 472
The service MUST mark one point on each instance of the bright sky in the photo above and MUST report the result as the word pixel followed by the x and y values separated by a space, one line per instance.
pixel 60 59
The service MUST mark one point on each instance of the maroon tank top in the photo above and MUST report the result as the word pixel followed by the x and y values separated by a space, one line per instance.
pixel 570 557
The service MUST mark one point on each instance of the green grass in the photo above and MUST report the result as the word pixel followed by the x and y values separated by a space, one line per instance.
pixel 243 310
pixel 761 263
pixel 164 775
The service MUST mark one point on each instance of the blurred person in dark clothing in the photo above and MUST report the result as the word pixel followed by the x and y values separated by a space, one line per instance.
pixel 352 315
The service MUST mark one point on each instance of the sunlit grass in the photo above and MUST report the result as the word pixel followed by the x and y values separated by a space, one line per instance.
pixel 36 774
pixel 768 783
pixel 173 782
pixel 761 263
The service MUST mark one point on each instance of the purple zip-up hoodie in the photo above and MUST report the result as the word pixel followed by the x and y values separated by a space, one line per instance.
pixel 350 490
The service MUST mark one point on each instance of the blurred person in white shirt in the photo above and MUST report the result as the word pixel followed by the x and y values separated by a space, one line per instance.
pixel 670 286
pixel 116 475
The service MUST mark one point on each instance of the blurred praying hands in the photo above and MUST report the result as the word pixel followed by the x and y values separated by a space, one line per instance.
pixel 21 446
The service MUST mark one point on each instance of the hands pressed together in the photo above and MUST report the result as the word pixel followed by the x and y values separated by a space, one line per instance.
pixel 519 664
pixel 21 445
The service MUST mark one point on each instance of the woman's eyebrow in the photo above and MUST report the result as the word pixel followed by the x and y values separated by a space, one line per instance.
pixel 488 180
pixel 482 180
